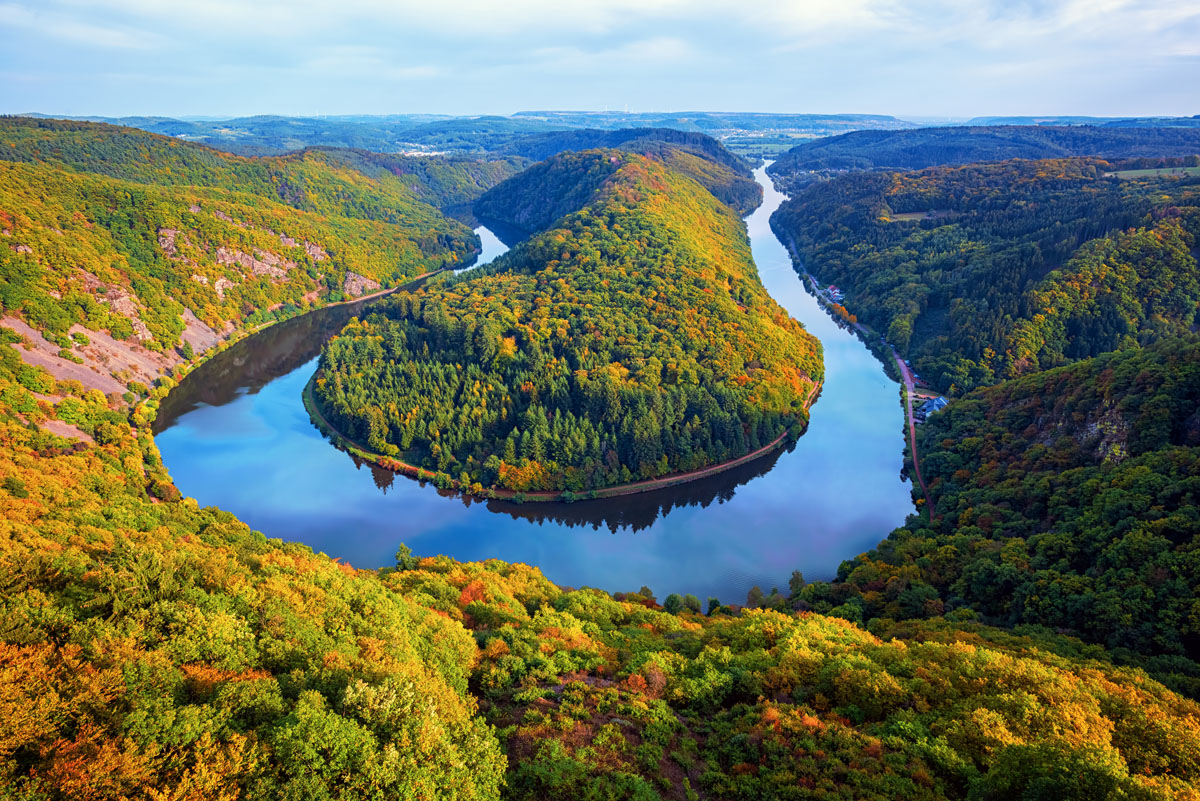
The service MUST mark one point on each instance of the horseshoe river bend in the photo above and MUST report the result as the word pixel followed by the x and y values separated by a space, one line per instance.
pixel 235 434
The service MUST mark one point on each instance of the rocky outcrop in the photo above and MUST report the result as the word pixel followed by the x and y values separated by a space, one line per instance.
pixel 261 263
pixel 356 285
pixel 166 241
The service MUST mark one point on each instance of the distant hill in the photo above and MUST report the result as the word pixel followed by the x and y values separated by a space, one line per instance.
pixel 715 122
pixel 927 147
pixel 430 133
pixel 1122 122
pixel 443 181
pixel 721 172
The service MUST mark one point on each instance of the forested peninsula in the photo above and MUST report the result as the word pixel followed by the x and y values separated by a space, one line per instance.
pixel 629 339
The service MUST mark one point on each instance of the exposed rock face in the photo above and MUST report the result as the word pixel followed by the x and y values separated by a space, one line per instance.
pixel 1105 432
pixel 220 285
pixel 22 248
pixel 43 353
pixel 166 241
pixel 197 333
pixel 315 252
pixel 122 303
pixel 261 263
pixel 66 430
pixel 356 284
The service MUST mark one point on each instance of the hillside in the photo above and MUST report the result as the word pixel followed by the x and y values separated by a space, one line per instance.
pixel 989 271
pixel 918 148
pixel 124 252
pixel 154 648
pixel 727 176
pixel 1066 499
pixel 629 340
pixel 442 181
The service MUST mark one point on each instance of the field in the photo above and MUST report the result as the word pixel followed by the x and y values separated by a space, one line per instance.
pixel 1155 173
pixel 909 216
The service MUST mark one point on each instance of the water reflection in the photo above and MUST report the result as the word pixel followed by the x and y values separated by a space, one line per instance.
pixel 631 512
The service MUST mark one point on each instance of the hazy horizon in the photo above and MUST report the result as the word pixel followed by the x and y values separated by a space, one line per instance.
pixel 914 59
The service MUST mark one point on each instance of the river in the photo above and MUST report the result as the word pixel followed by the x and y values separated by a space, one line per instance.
pixel 235 434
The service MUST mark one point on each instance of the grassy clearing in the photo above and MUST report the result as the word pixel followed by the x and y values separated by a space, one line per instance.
pixel 1156 173
pixel 909 216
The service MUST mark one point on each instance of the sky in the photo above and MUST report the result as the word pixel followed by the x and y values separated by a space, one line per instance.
pixel 929 58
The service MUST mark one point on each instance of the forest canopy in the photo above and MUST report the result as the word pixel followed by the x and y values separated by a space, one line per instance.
pixel 629 340
pixel 918 148
pixel 162 244
pixel 988 271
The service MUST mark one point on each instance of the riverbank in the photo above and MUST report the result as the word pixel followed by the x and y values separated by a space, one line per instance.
pixel 359 450
pixel 870 339
pixel 145 412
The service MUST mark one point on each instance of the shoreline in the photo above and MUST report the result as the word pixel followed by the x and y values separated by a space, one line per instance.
pixel 907 382
pixel 354 448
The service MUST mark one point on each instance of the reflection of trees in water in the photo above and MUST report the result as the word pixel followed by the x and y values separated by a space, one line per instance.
pixel 635 512
pixel 249 365
pixel 510 235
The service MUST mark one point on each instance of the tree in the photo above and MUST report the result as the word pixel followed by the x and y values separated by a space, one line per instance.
pixel 673 604
pixel 795 585
pixel 404 558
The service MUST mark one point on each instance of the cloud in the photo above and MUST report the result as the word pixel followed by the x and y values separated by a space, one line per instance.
pixel 451 18
pixel 657 52
pixel 358 61
pixel 987 56
pixel 68 29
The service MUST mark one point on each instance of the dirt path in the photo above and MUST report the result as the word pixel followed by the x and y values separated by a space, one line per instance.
pixel 633 488
pixel 909 384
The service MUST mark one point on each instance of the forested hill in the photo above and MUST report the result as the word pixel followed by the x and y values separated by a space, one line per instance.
pixel 927 147
pixel 542 146
pixel 442 181
pixel 153 648
pixel 128 251
pixel 630 339
pixel 988 271
pixel 724 174
pixel 535 198
pixel 1066 499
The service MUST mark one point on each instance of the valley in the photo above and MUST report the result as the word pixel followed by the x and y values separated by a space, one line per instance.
pixel 205 597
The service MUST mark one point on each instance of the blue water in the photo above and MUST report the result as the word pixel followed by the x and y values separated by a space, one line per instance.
pixel 236 435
